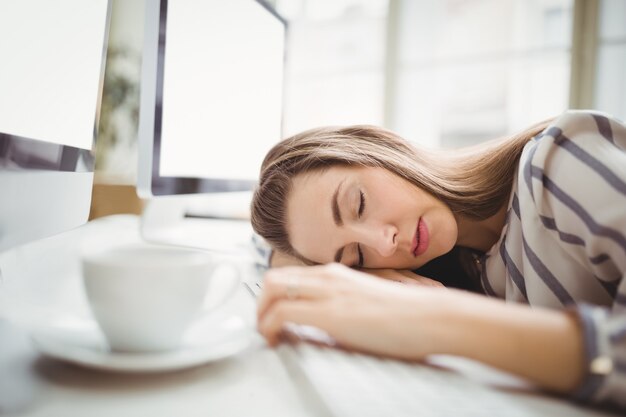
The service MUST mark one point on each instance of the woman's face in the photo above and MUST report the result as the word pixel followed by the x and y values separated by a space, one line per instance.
pixel 367 217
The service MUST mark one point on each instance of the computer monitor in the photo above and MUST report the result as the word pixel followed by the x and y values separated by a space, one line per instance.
pixel 211 95
pixel 52 57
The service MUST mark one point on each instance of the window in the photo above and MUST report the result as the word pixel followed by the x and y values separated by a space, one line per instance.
pixel 439 72
pixel 610 79
pixel 335 62
pixel 473 70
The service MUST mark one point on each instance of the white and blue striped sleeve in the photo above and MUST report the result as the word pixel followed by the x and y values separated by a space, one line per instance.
pixel 262 252
pixel 576 173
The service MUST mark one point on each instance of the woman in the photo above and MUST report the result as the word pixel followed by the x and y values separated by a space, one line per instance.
pixel 542 214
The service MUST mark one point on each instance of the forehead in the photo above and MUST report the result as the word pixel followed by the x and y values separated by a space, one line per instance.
pixel 310 222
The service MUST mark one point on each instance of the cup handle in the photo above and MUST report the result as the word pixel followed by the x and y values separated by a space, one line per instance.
pixel 235 281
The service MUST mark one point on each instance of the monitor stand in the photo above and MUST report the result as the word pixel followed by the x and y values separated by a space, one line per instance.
pixel 215 222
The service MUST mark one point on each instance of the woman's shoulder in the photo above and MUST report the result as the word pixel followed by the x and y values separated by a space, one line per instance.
pixel 577 137
pixel 590 126
pixel 580 156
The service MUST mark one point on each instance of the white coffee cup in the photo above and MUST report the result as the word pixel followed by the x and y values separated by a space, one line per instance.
pixel 144 297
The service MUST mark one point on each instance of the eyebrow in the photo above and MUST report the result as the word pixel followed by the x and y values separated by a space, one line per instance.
pixel 335 206
pixel 337 218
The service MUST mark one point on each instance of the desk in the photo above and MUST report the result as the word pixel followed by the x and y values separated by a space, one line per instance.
pixel 253 382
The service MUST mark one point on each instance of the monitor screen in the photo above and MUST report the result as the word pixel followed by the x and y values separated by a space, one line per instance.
pixel 51 54
pixel 212 88
pixel 52 60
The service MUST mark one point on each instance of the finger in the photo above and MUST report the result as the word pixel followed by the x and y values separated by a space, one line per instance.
pixel 431 282
pixel 427 281
pixel 409 274
pixel 421 282
pixel 313 282
pixel 413 278
pixel 401 276
pixel 308 313
pixel 279 283
pixel 412 281
pixel 330 270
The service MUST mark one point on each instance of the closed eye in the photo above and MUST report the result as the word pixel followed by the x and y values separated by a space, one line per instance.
pixel 360 213
pixel 361 203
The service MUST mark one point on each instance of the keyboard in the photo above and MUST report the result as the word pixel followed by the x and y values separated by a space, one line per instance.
pixel 253 286
pixel 352 384
pixel 338 383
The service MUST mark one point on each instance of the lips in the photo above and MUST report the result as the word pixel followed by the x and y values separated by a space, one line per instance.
pixel 420 239
pixel 415 239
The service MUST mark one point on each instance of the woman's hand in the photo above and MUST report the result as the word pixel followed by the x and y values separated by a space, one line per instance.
pixel 404 276
pixel 359 311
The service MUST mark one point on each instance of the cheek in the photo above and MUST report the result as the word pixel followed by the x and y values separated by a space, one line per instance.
pixel 449 231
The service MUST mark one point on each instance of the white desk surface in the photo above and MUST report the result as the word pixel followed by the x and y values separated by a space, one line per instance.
pixel 253 382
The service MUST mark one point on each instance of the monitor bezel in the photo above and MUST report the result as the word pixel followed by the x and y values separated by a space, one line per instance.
pixel 149 181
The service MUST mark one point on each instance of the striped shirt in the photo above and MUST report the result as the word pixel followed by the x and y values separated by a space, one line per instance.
pixel 564 242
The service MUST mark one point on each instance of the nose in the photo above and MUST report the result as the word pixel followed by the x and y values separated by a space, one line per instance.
pixel 383 239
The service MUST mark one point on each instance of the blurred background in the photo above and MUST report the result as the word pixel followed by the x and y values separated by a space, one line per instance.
pixel 443 73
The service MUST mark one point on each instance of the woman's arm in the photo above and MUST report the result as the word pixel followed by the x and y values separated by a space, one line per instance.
pixel 411 322
pixel 544 346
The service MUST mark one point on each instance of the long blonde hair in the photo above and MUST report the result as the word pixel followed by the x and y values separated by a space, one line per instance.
pixel 474 182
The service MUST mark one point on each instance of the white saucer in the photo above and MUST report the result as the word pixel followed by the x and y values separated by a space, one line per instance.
pixel 81 342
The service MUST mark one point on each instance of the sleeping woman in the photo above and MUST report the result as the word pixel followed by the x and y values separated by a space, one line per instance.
pixel 514 251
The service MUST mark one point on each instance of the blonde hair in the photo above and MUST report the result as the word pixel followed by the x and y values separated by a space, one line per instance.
pixel 474 182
